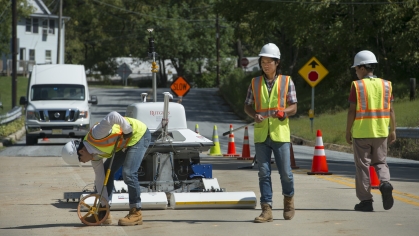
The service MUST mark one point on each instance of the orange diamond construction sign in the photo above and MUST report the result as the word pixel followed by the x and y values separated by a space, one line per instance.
pixel 180 87
pixel 313 72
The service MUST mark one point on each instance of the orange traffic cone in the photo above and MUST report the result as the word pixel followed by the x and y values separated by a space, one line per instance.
pixel 319 164
pixel 293 165
pixel 231 152
pixel 246 146
pixel 374 181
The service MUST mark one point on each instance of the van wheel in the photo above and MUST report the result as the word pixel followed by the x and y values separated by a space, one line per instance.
pixel 31 140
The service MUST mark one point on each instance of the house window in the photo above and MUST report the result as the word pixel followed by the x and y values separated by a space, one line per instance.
pixel 51 27
pixel 32 25
pixel 28 25
pixel 35 25
pixel 44 26
pixel 48 56
pixel 32 54
pixel 22 53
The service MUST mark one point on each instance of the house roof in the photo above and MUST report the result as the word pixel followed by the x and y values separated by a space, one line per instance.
pixel 41 10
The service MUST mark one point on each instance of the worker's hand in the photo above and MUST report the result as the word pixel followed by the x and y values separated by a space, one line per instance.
pixel 258 118
pixel 127 136
pixel 281 115
pixel 391 137
pixel 349 137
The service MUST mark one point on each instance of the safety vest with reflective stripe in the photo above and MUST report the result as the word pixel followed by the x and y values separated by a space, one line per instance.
pixel 372 109
pixel 107 143
pixel 266 104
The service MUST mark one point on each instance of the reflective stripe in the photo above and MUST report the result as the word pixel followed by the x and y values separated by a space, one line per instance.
pixel 386 94
pixel 257 87
pixel 373 114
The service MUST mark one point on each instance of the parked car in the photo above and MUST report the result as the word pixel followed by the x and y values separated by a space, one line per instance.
pixel 57 102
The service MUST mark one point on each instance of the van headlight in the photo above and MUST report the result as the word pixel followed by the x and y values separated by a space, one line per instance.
pixel 83 114
pixel 30 115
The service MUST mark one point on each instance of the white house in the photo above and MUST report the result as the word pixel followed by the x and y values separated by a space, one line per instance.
pixel 37 39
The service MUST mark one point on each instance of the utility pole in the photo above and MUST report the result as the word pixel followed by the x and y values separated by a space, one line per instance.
pixel 59 31
pixel 14 53
pixel 218 50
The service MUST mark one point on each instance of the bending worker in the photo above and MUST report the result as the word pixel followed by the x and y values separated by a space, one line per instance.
pixel 99 144
pixel 271 98
pixel 369 116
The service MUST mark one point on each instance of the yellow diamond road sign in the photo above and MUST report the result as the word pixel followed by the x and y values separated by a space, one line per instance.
pixel 313 72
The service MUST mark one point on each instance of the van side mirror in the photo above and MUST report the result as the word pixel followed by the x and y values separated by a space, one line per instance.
pixel 23 101
pixel 93 100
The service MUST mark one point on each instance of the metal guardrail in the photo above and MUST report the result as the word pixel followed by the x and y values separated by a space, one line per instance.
pixel 407 132
pixel 12 115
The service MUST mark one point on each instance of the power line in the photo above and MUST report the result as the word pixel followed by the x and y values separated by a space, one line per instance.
pixel 334 2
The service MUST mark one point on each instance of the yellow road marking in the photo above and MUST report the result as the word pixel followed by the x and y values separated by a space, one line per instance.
pixel 350 182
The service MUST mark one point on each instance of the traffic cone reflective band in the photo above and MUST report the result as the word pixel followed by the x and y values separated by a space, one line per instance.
pixel 319 164
pixel 246 146
pixel 197 129
pixel 374 181
pixel 231 151
pixel 215 150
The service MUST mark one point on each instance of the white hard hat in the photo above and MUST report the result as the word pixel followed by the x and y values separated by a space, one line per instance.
pixel 363 58
pixel 270 50
pixel 69 153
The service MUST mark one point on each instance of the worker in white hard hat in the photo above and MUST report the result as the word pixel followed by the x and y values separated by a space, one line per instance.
pixel 98 144
pixel 370 115
pixel 270 100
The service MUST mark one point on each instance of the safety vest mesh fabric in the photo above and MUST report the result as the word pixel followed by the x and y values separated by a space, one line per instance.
pixel 372 109
pixel 107 144
pixel 266 104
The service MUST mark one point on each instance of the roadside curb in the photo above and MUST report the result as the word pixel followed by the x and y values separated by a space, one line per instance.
pixel 9 140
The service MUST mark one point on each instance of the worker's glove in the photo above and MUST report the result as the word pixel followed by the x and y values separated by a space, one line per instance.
pixel 281 115
pixel 127 136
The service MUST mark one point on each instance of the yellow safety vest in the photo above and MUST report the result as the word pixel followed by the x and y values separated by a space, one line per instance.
pixel 265 105
pixel 107 143
pixel 372 109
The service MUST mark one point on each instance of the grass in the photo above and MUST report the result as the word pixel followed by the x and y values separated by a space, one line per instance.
pixel 6 91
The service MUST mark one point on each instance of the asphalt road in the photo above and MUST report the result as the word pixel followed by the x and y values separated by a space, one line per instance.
pixel 34 178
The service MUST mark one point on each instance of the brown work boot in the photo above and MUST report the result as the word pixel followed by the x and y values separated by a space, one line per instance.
pixel 266 215
pixel 134 217
pixel 289 210
pixel 92 219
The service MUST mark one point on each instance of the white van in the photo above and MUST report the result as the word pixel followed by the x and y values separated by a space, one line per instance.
pixel 57 103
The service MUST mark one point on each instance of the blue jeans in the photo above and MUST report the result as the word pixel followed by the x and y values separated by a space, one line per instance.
pixel 130 160
pixel 282 160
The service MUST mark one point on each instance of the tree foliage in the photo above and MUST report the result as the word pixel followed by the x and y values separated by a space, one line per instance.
pixel 22 10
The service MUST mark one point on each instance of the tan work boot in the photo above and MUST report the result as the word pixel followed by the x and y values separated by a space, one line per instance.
pixel 289 210
pixel 134 217
pixel 266 215
pixel 91 219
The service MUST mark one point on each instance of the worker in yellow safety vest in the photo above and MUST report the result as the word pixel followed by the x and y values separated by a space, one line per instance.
pixel 369 117
pixel 270 100
pixel 98 145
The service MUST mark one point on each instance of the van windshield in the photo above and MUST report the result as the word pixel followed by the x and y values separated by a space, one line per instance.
pixel 57 92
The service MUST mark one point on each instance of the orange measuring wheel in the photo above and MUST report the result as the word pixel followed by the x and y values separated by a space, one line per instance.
pixel 97 209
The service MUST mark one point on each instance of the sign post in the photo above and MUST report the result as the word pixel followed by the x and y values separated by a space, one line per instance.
pixel 180 87
pixel 124 71
pixel 244 62
pixel 313 72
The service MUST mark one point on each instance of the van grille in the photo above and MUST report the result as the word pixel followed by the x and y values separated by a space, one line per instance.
pixel 68 115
